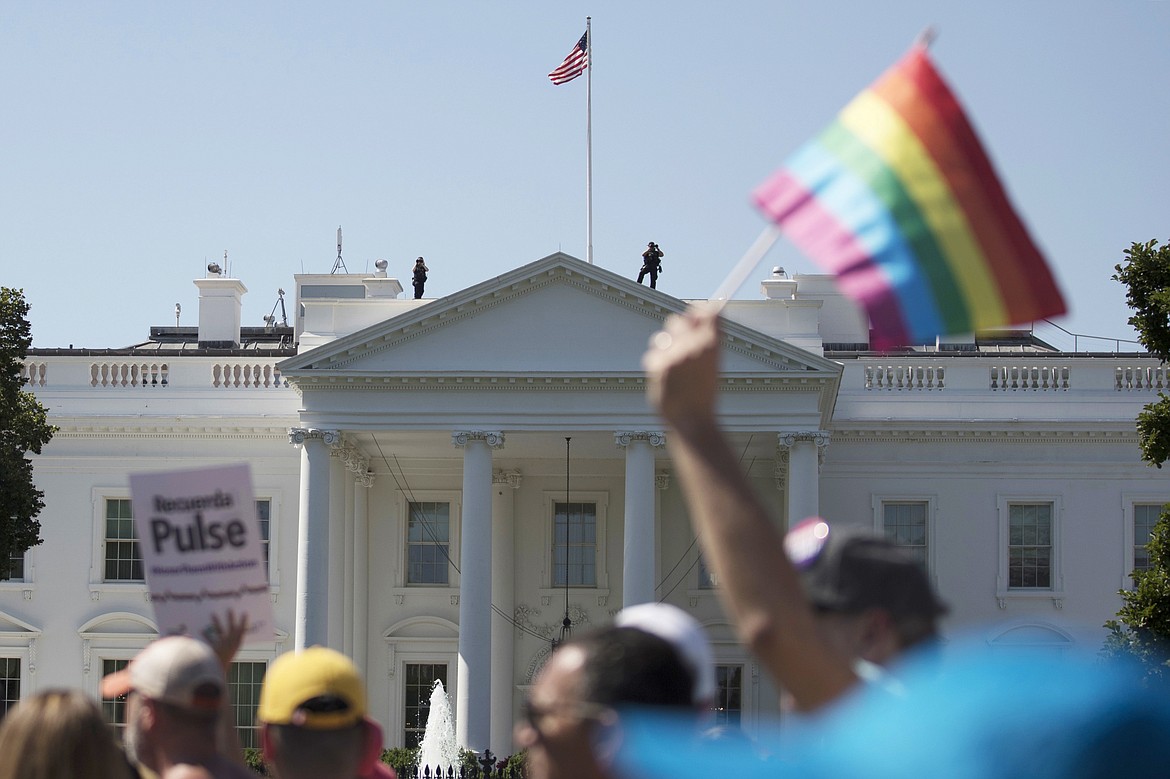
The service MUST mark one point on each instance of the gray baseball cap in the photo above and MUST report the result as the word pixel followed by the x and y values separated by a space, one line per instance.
pixel 851 570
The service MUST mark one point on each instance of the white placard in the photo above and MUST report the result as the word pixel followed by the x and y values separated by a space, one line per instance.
pixel 201 549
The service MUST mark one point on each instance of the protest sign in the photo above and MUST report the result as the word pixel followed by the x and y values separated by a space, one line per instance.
pixel 201 549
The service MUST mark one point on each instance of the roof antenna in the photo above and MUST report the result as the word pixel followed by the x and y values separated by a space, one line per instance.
pixel 339 263
pixel 227 269
pixel 270 320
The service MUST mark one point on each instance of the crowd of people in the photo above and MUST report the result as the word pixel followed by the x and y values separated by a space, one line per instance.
pixel 833 616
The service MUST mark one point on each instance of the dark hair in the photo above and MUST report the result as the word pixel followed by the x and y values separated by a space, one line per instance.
pixel 626 665
pixel 308 752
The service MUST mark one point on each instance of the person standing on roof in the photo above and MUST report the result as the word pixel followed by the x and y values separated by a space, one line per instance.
pixel 651 263
pixel 420 277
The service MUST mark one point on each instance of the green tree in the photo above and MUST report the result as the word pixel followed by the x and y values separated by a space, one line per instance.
pixel 1142 628
pixel 23 429
pixel 1146 276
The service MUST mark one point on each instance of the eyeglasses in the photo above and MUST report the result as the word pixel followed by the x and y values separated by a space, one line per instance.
pixel 581 710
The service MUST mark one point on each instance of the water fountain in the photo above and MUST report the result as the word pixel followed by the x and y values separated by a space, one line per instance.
pixel 438 750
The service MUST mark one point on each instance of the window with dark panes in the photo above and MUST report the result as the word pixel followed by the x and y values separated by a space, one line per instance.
pixel 419 683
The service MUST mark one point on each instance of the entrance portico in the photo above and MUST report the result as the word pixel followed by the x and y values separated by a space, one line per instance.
pixel 445 412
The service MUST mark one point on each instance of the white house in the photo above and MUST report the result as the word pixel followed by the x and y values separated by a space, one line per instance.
pixel 442 481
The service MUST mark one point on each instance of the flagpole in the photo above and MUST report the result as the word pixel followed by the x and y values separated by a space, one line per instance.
pixel 589 145
pixel 745 266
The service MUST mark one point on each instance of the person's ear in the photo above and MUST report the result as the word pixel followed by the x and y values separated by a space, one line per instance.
pixel 147 714
pixel 267 749
pixel 373 746
pixel 524 734
pixel 878 637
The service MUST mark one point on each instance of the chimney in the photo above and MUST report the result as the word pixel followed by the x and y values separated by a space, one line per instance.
pixel 220 305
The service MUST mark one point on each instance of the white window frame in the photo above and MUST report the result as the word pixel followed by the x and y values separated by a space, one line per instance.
pixel 273 496
pixel 407 543
pixel 97 583
pixel 600 499
pixel 1128 500
pixel 696 593
pixel 455 499
pixel 1056 592
pixel 400 736
pixel 879 524
pixel 727 650
pixel 744 685
pixel 25 584
pixel 98 644
pixel 250 656
pixel 19 640
pixel 701 567
pixel 430 647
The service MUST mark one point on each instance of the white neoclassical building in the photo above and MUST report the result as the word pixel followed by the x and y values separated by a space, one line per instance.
pixel 443 481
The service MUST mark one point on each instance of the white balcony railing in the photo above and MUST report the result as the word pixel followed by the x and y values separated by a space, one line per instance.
pixel 978 375
pixel 69 372
pixel 905 377
pixel 1034 378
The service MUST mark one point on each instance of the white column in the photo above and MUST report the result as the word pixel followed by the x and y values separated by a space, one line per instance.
pixel 361 569
pixel 355 571
pixel 337 572
pixel 504 486
pixel 473 697
pixel 802 488
pixel 638 558
pixel 311 621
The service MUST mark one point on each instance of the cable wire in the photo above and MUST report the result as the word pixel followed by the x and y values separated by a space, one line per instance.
pixel 404 487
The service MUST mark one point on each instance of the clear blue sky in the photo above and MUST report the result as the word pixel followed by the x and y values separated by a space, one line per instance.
pixel 140 140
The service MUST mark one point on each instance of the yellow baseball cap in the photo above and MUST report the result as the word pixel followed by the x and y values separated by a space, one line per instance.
pixel 296 680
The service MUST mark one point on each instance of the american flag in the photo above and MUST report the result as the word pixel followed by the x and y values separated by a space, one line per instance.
pixel 574 64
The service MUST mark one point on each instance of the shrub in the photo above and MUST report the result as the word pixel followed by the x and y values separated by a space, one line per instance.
pixel 402 759
pixel 255 760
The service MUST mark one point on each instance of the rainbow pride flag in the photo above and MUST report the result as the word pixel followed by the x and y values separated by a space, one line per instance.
pixel 898 198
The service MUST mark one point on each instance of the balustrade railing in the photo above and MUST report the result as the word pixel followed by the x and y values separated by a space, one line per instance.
pixel 150 374
pixel 1034 378
pixel 1147 378
pixel 129 374
pixel 35 373
pixel 905 377
pixel 248 375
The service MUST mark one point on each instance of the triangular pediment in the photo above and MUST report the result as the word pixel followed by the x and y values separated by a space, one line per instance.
pixel 10 626
pixel 556 316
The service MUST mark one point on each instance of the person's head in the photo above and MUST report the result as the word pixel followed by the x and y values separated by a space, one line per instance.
pixel 571 707
pixel 313 719
pixel 872 599
pixel 685 635
pixel 175 691
pixel 419 261
pixel 59 734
